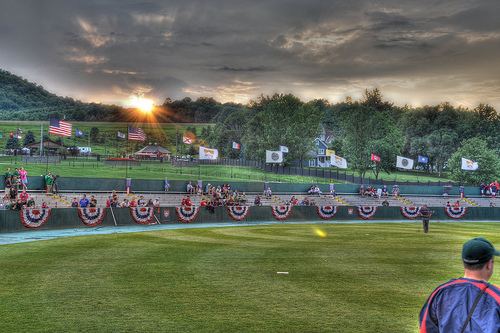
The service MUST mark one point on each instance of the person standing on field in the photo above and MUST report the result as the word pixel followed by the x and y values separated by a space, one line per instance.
pixel 468 304
pixel 426 216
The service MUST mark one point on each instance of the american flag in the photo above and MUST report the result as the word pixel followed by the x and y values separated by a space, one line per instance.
pixel 60 127
pixel 136 134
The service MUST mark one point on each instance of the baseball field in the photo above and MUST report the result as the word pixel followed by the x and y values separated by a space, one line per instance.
pixel 292 277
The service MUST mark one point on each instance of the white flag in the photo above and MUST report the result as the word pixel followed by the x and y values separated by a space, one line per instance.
pixel 208 153
pixel 338 161
pixel 404 163
pixel 274 156
pixel 469 165
pixel 284 149
pixel 121 135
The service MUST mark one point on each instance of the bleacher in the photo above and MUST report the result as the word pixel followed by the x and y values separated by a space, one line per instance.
pixel 64 199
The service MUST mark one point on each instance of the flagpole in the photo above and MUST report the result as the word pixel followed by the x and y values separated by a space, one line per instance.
pixel 41 141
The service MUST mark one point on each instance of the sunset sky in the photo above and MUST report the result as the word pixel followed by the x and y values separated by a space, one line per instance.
pixel 120 51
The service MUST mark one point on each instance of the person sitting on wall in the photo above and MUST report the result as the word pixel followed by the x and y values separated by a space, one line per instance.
pixel 257 202
pixel 268 193
pixel 368 191
pixel 361 190
pixel 385 203
pixel 385 191
pixel 311 190
pixel 457 204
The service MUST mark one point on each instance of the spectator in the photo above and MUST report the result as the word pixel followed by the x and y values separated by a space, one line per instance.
pixel 24 197
pixel 166 185
pixel 150 203
pixel 24 178
pixel 361 190
pixel 448 204
pixel 15 183
pixel 395 190
pixel 385 191
pixel 317 190
pixel 457 204
pixel 210 206
pixel 493 189
pixel 243 198
pixel 385 203
pixel 11 205
pixel 125 203
pixel 8 183
pixel 257 202
pixel 44 205
pixel 311 190
pixel 156 202
pixel 84 202
pixel 268 193
pixel 379 192
pixel 92 202
pixel 114 201
pixel 49 180
pixel 133 203
pixel 187 201
pixel 141 202
pixel 190 188
pixel 74 204
pixel 31 203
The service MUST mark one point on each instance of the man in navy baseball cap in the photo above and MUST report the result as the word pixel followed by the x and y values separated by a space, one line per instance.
pixel 469 303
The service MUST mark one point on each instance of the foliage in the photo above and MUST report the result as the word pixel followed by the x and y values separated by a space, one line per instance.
pixel 476 150
pixel 12 143
pixel 284 120
pixel 29 138
pixel 367 131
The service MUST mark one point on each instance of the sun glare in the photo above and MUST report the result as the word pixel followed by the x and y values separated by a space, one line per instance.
pixel 145 105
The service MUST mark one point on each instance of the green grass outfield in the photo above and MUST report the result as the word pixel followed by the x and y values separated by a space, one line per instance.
pixel 342 277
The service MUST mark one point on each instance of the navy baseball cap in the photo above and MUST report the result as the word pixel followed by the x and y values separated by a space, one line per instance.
pixel 478 250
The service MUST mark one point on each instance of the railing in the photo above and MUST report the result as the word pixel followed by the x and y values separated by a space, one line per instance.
pixel 319 173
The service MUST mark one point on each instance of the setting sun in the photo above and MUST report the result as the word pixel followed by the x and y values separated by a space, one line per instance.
pixel 145 105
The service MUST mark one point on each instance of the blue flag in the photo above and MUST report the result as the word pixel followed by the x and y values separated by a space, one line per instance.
pixel 423 159
pixel 79 133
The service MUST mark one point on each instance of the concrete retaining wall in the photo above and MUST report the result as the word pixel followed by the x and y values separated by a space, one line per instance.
pixel 61 218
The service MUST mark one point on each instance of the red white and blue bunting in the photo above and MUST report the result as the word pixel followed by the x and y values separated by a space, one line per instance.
pixel 187 213
pixel 91 216
pixel 456 212
pixel 367 212
pixel 326 212
pixel 34 218
pixel 410 212
pixel 142 215
pixel 281 212
pixel 238 213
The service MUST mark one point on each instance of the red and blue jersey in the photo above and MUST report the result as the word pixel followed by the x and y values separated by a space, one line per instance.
pixel 448 307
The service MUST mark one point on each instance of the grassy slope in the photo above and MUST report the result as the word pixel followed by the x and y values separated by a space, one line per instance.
pixel 359 278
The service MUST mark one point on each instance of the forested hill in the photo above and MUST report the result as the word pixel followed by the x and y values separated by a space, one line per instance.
pixel 23 100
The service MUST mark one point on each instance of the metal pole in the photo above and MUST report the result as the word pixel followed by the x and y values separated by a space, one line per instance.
pixel 41 141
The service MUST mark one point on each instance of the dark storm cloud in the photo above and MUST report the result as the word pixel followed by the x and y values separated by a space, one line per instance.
pixel 419 53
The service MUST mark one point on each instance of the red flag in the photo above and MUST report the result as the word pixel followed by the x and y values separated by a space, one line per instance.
pixel 375 158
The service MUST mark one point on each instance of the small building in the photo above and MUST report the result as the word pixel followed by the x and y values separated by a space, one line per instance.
pixel 153 152
pixel 51 146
